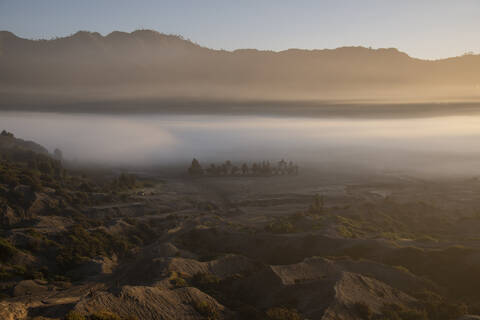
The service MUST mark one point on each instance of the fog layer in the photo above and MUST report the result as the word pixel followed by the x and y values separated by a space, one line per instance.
pixel 440 145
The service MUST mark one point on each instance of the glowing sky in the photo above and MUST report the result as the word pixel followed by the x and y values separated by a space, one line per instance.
pixel 423 28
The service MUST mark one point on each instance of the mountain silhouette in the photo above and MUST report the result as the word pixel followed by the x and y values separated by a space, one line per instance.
pixel 146 64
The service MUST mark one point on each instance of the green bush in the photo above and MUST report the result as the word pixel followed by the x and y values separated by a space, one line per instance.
pixel 177 281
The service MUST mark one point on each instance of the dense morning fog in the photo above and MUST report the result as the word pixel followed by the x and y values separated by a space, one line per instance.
pixel 440 144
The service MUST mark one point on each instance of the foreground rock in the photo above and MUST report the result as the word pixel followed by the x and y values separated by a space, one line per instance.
pixel 12 311
pixel 322 289
pixel 353 289
pixel 154 303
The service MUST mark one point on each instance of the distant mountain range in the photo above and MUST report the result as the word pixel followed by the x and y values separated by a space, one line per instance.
pixel 147 65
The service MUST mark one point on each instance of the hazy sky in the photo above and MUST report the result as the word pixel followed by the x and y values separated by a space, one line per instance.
pixel 422 28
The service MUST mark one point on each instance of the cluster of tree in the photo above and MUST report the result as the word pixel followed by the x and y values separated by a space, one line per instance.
pixel 25 162
pixel 21 167
pixel 227 168
pixel 5 133
pixel 35 161
pixel 27 168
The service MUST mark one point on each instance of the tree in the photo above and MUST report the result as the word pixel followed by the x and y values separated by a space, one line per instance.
pixel 318 203
pixel 244 169
pixel 291 168
pixel 223 169
pixel 6 134
pixel 57 154
pixel 45 167
pixel 228 167
pixel 212 170
pixel 195 168
pixel 295 169
pixel 254 168
pixel 268 168
pixel 282 164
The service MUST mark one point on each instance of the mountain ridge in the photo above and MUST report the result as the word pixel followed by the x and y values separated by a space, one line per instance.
pixel 159 35
pixel 147 64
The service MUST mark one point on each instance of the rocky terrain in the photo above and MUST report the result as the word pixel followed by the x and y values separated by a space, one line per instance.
pixel 77 245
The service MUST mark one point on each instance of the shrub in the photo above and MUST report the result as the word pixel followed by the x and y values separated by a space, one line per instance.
pixel 7 250
pixel 203 279
pixel 281 313
pixel 178 282
pixel 280 227
pixel 363 310
pixel 73 315
pixel 5 274
pixel 206 310
pixel 105 315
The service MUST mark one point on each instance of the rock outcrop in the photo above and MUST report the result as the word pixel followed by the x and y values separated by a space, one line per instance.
pixel 150 303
